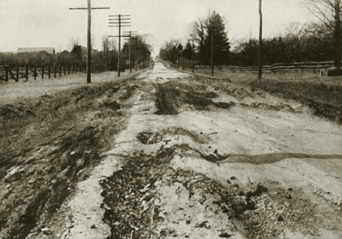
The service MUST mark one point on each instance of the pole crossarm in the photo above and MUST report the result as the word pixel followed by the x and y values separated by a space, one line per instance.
pixel 120 26
pixel 93 8
pixel 116 23
pixel 117 15
pixel 121 17
pixel 119 21
pixel 125 36
pixel 116 20
pixel 89 9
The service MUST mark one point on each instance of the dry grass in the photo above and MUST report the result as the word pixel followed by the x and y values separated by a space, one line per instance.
pixel 321 93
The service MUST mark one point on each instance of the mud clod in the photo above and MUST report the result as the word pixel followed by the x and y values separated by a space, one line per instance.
pixel 149 137
pixel 225 235
pixel 113 105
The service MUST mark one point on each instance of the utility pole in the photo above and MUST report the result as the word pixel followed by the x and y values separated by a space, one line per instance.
pixel 260 42
pixel 135 56
pixel 212 50
pixel 129 51
pixel 89 45
pixel 193 56
pixel 130 35
pixel 119 21
pixel 337 34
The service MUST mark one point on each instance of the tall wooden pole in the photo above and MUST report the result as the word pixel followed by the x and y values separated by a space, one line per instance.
pixel 89 44
pixel 260 42
pixel 119 21
pixel 89 8
pixel 119 50
pixel 130 51
pixel 212 51
pixel 337 34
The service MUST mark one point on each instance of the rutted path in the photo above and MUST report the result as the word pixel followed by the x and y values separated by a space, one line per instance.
pixel 201 159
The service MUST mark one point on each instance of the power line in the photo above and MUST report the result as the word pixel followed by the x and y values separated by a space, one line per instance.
pixel 89 58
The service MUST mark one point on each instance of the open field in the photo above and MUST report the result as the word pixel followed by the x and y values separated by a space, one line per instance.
pixel 13 91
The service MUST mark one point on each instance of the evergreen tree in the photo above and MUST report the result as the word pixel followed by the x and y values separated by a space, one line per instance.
pixel 203 31
pixel 189 51
pixel 216 27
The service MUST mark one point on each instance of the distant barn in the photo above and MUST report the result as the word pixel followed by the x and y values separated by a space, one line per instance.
pixel 49 50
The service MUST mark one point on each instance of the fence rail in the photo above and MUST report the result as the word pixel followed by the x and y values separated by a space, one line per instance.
pixel 281 67
pixel 308 66
pixel 27 72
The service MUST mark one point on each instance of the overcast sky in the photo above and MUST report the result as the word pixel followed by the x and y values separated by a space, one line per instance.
pixel 49 23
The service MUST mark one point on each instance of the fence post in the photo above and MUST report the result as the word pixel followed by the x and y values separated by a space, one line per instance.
pixel 35 72
pixel 26 72
pixel 43 69
pixel 6 73
pixel 17 78
pixel 49 71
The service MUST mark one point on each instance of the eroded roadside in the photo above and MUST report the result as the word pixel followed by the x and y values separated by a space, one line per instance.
pixel 48 145
pixel 206 160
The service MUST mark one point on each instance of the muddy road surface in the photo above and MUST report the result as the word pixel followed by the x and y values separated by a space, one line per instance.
pixel 171 155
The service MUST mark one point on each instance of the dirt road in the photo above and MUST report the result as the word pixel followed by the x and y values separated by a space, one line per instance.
pixel 199 158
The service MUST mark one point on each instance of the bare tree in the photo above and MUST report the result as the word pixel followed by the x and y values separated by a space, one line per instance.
pixel 329 13
pixel 105 45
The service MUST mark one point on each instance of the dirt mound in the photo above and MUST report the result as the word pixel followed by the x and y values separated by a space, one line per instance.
pixel 11 112
pixel 171 97
pixel 128 92
pixel 264 106
pixel 148 137
pixel 239 93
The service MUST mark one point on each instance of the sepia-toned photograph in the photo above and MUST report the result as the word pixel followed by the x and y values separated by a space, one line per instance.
pixel 171 119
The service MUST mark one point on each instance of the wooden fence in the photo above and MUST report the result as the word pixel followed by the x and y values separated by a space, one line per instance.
pixel 311 66
pixel 27 72
pixel 314 67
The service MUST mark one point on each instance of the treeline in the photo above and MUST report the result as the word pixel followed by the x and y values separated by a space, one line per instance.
pixel 102 60
pixel 208 42
pixel 301 43
pixel 135 51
